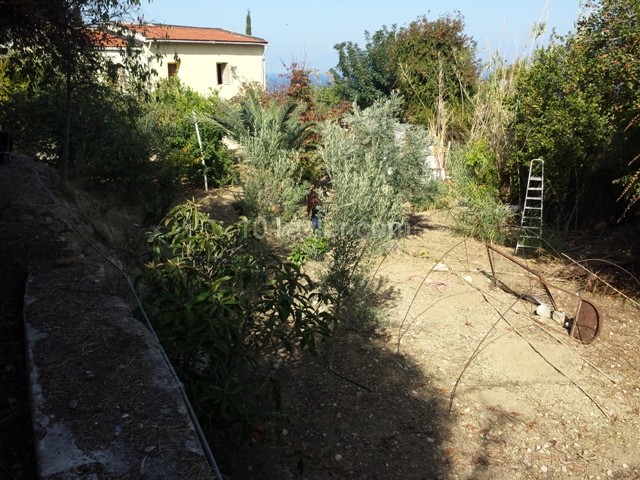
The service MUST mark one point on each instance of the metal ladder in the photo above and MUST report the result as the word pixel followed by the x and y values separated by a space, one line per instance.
pixel 531 221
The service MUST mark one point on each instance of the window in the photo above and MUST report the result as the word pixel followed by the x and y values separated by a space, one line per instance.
pixel 222 73
pixel 172 69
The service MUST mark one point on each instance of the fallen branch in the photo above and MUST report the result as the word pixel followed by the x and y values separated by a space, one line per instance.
pixel 537 324
pixel 515 330
pixel 477 349
pixel 364 387
pixel 586 394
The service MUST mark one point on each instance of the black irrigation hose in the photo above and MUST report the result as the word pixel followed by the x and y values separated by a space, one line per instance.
pixel 201 437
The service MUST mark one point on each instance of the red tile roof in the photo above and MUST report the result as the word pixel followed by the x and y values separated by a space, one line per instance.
pixel 104 39
pixel 177 33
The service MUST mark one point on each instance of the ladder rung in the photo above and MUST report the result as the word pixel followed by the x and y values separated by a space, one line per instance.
pixel 535 178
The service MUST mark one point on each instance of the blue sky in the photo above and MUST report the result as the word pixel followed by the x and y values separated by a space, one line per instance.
pixel 306 31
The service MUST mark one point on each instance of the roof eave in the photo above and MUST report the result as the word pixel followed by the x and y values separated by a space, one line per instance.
pixel 212 42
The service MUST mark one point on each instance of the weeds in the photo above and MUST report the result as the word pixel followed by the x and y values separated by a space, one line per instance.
pixel 313 247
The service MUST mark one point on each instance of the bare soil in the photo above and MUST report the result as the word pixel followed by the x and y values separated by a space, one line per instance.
pixel 459 379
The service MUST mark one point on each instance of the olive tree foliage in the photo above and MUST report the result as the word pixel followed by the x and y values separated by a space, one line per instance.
pixel 55 44
pixel 367 167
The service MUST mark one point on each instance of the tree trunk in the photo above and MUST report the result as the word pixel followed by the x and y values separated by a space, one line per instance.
pixel 64 161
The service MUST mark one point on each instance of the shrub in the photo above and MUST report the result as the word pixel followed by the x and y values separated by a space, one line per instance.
pixel 173 109
pixel 271 134
pixel 220 305
pixel 363 211
pixel 481 215
pixel 313 247
pixel 271 185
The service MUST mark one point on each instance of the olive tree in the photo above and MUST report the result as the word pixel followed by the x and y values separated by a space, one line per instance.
pixel 363 212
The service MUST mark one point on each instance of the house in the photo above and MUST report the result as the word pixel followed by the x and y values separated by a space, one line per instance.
pixel 205 59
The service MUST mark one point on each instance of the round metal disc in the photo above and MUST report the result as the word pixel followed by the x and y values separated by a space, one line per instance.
pixel 587 323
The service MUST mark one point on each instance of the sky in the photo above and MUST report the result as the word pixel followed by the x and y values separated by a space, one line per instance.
pixel 305 31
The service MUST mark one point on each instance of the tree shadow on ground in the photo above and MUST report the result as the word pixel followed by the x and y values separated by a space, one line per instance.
pixel 375 416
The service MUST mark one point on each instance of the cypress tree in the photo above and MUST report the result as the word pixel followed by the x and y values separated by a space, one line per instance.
pixel 247 28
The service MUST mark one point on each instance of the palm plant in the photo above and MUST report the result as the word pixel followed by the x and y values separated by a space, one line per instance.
pixel 278 124
pixel 271 134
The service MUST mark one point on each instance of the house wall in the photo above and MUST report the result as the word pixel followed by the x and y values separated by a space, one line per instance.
pixel 198 65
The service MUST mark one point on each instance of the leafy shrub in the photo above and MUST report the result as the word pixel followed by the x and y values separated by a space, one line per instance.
pixel 271 135
pixel 174 108
pixel 313 247
pixel 220 305
pixel 364 208
pixel 271 185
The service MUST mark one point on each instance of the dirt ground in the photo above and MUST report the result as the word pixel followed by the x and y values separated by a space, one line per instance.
pixel 459 379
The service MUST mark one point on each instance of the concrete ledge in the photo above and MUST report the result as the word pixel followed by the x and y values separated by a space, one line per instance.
pixel 104 404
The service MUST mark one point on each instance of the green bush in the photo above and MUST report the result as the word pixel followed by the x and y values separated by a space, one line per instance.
pixel 221 305
pixel 271 134
pixel 313 247
pixel 364 208
pixel 173 109
pixel 480 214
pixel 271 185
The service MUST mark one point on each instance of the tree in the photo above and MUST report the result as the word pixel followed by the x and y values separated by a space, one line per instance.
pixel 430 63
pixel 607 40
pixel 560 119
pixel 364 76
pixel 247 120
pixel 270 134
pixel 577 108
pixel 171 111
pixel 371 175
pixel 247 28
pixel 436 60
pixel 57 42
